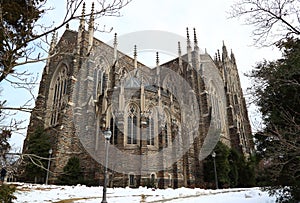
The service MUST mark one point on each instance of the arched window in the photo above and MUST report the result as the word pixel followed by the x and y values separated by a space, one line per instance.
pixel 166 135
pixel 166 129
pixel 114 131
pixel 170 180
pixel 150 131
pixel 152 177
pixel 131 179
pixel 104 82
pixel 60 90
pixel 98 82
pixel 132 124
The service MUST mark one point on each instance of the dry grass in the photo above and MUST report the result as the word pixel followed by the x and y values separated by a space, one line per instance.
pixel 72 200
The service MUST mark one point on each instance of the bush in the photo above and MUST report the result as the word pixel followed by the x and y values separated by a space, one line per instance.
pixel 72 174
pixel 6 193
pixel 232 168
pixel 234 161
pixel 247 177
pixel 222 165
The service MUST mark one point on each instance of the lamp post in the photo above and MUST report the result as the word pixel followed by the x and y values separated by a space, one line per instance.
pixel 107 135
pixel 213 154
pixel 48 168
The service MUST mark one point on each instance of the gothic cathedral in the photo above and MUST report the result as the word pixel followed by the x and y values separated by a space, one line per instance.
pixel 163 121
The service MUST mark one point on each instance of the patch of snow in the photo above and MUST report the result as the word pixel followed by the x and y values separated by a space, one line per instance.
pixel 28 193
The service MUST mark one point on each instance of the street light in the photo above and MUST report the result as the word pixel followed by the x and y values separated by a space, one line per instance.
pixel 48 168
pixel 107 135
pixel 213 154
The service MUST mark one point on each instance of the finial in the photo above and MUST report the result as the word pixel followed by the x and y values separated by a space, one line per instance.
pixel 53 37
pixel 179 49
pixel 134 56
pixel 53 41
pixel 187 35
pixel 134 51
pixel 91 22
pixel 157 59
pixel 219 57
pixel 81 26
pixel 205 51
pixel 67 26
pixel 115 40
pixel 232 56
pixel 93 6
pixel 83 10
pixel 195 37
pixel 115 47
pixel 189 48
pixel 224 52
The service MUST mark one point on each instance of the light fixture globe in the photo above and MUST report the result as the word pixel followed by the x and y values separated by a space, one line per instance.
pixel 213 154
pixel 107 134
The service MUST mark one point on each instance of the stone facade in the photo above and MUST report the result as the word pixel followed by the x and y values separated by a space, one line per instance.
pixel 90 87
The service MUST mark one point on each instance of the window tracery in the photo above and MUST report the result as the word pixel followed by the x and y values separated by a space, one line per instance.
pixel 98 82
pixel 114 131
pixel 132 124
pixel 150 130
pixel 59 92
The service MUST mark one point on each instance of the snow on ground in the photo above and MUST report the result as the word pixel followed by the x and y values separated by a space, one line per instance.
pixel 30 193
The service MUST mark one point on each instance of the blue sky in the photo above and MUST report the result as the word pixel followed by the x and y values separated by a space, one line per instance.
pixel 208 17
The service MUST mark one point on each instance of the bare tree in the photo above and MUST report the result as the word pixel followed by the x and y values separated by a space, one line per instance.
pixel 273 20
pixel 25 39
pixel 30 43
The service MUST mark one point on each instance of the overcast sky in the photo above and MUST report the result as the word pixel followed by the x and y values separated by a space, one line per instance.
pixel 209 17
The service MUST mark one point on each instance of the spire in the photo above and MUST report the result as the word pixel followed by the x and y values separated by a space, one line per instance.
pixel 196 52
pixel 157 70
pixel 82 23
pixel 53 42
pixel 135 56
pixel 195 40
pixel 188 37
pixel 219 57
pixel 232 57
pixel 92 18
pixel 157 59
pixel 115 47
pixel 224 52
pixel 158 79
pixel 134 52
pixel 189 48
pixel 179 49
pixel 91 29
pixel 51 50
pixel 81 29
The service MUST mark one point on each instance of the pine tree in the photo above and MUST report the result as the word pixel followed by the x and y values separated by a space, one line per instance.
pixel 38 146
pixel 222 166
pixel 277 92
pixel 4 144
pixel 72 174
